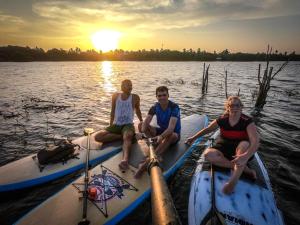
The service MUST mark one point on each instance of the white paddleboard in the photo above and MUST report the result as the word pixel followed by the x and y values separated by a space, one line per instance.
pixel 118 193
pixel 252 202
pixel 25 172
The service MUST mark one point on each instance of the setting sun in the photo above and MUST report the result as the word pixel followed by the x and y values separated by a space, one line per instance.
pixel 106 40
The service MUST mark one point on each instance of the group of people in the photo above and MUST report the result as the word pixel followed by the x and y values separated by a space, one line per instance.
pixel 235 146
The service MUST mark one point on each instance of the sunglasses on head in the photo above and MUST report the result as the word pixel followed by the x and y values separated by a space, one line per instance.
pixel 162 95
pixel 235 105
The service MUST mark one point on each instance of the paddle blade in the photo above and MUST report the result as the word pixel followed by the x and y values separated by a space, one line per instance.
pixel 84 222
pixel 221 219
pixel 216 219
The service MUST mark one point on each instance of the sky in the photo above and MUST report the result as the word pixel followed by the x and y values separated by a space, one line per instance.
pixel 211 25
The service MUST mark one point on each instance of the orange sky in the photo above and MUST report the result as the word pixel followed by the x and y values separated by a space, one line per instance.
pixel 211 25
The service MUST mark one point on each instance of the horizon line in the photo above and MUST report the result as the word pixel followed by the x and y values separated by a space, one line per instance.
pixel 144 49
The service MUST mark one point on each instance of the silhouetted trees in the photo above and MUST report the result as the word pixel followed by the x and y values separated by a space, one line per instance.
pixel 17 53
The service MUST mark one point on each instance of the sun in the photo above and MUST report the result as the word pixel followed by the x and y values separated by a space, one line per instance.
pixel 106 40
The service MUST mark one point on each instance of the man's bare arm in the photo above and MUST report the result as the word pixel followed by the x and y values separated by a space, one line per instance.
pixel 137 107
pixel 113 107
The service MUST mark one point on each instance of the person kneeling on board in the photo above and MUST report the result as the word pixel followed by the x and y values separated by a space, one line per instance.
pixel 236 145
pixel 121 120
pixel 168 120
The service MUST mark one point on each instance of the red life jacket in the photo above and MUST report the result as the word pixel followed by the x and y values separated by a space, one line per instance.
pixel 236 132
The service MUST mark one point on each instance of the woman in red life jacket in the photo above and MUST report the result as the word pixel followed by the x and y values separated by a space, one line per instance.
pixel 236 145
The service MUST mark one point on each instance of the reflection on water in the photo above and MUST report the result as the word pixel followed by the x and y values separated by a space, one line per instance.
pixel 108 77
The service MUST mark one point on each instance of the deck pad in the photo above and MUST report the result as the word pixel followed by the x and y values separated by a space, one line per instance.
pixel 26 172
pixel 118 193
pixel 252 202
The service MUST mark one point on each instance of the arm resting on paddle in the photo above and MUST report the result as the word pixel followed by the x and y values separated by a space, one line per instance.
pixel 211 127
pixel 254 143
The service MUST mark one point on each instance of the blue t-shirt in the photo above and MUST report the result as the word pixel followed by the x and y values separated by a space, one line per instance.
pixel 164 116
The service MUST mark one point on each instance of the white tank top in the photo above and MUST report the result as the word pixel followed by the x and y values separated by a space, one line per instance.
pixel 124 111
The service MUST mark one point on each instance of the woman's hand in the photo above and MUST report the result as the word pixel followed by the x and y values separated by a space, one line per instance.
pixel 240 160
pixel 190 140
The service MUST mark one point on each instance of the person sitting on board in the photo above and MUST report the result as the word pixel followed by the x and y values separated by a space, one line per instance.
pixel 168 120
pixel 236 145
pixel 121 120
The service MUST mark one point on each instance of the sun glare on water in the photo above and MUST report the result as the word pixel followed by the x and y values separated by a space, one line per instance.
pixel 106 40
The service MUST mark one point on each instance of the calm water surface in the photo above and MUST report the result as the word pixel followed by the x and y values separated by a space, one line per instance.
pixel 44 101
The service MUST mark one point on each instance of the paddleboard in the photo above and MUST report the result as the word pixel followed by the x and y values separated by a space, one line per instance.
pixel 118 192
pixel 26 172
pixel 252 202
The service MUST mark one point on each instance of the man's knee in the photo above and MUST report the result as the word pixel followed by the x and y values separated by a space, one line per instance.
pixel 173 137
pixel 149 130
pixel 100 135
pixel 128 135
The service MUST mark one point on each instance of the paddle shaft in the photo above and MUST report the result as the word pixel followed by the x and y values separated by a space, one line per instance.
pixel 216 217
pixel 163 209
pixel 213 200
pixel 87 131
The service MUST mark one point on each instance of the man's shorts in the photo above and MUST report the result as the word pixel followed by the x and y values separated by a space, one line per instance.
pixel 120 129
pixel 227 147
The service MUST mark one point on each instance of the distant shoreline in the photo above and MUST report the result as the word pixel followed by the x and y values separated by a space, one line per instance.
pixel 26 54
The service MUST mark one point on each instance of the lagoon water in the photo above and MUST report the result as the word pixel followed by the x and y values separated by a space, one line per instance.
pixel 43 101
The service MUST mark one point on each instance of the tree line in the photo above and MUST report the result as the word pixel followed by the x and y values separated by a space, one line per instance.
pixel 26 54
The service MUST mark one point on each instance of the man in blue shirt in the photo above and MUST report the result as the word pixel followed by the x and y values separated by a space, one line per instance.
pixel 168 121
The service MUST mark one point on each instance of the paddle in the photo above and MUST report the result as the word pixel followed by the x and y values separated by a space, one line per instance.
pixel 215 217
pixel 84 221
pixel 163 209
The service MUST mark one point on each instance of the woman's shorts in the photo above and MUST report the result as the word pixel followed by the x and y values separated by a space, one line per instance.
pixel 227 147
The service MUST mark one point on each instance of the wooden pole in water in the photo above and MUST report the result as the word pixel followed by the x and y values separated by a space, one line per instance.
pixel 163 209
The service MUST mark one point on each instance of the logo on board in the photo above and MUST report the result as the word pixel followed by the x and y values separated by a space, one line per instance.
pixel 108 186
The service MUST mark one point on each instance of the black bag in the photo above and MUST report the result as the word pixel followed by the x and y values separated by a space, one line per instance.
pixel 60 153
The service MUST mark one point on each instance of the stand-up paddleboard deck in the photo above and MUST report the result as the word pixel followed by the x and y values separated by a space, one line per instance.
pixel 252 202
pixel 25 172
pixel 118 193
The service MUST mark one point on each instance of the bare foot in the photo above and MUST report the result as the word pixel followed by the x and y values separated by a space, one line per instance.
pixel 141 169
pixel 228 188
pixel 123 165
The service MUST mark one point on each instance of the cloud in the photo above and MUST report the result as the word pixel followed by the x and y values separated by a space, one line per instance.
pixel 76 20
pixel 157 14
pixel 10 19
pixel 9 23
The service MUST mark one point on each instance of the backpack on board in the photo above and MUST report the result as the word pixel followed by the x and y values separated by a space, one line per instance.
pixel 60 153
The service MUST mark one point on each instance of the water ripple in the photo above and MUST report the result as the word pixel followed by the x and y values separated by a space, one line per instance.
pixel 86 88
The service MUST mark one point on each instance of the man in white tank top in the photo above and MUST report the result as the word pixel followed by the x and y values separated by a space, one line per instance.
pixel 121 120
